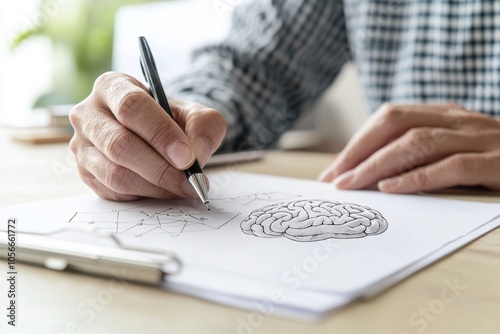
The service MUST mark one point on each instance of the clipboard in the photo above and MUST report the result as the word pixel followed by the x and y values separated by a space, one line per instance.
pixel 134 264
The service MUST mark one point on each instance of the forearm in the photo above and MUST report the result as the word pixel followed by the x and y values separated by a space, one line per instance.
pixel 276 61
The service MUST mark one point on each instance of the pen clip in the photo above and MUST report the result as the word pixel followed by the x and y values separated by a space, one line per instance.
pixel 149 265
pixel 175 264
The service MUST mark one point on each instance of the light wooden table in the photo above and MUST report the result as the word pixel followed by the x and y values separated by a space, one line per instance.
pixel 49 301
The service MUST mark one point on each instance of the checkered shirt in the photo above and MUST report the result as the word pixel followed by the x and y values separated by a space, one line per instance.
pixel 281 55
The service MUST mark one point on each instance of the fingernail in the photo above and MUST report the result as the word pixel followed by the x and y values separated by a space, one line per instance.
pixel 344 180
pixel 326 175
pixel 203 149
pixel 180 154
pixel 389 184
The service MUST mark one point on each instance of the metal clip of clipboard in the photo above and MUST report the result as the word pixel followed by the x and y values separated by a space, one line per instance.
pixel 135 264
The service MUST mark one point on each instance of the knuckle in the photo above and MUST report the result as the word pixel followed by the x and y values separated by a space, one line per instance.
pixel 194 107
pixel 91 181
pixel 75 115
pixel 118 146
pixel 421 178
pixel 85 175
pixel 105 80
pixel 373 165
pixel 451 106
pixel 461 164
pixel 163 177
pixel 74 144
pixel 220 121
pixel 100 189
pixel 217 120
pixel 438 132
pixel 130 105
pixel 214 120
pixel 161 135
pixel 388 113
pixel 117 178
pixel 386 107
pixel 456 106
pixel 417 136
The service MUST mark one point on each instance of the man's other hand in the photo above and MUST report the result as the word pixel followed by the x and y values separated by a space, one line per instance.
pixel 411 148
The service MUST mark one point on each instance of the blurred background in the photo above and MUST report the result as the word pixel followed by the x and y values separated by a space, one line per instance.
pixel 51 51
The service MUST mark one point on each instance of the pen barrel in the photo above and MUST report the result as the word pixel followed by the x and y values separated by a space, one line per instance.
pixel 198 181
pixel 148 66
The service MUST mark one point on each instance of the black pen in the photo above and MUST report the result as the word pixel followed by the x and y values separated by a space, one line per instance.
pixel 194 174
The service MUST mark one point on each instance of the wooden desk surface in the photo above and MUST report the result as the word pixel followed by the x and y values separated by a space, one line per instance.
pixel 52 302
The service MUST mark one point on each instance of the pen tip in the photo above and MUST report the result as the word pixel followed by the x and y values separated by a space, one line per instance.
pixel 207 206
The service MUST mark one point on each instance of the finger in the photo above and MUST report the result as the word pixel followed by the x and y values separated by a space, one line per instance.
pixel 76 145
pixel 134 108
pixel 128 150
pixel 206 129
pixel 118 179
pixel 459 169
pixel 388 123
pixel 325 174
pixel 417 147
pixel 100 189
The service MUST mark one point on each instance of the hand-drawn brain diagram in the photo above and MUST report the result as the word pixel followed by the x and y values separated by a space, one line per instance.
pixel 314 220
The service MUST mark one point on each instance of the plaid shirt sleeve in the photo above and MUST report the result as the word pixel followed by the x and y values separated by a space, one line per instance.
pixel 268 68
pixel 281 55
pixel 427 51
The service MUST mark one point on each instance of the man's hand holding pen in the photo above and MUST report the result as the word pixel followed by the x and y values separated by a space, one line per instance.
pixel 127 147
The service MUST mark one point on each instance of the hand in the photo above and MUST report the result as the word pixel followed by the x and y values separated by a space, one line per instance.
pixel 127 147
pixel 411 148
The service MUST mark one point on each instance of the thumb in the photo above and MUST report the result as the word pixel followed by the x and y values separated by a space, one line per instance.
pixel 205 128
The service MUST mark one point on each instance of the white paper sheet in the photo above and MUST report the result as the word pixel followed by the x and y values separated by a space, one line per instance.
pixel 253 294
pixel 223 256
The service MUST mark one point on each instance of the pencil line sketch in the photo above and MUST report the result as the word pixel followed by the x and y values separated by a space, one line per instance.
pixel 314 220
pixel 248 199
pixel 155 219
